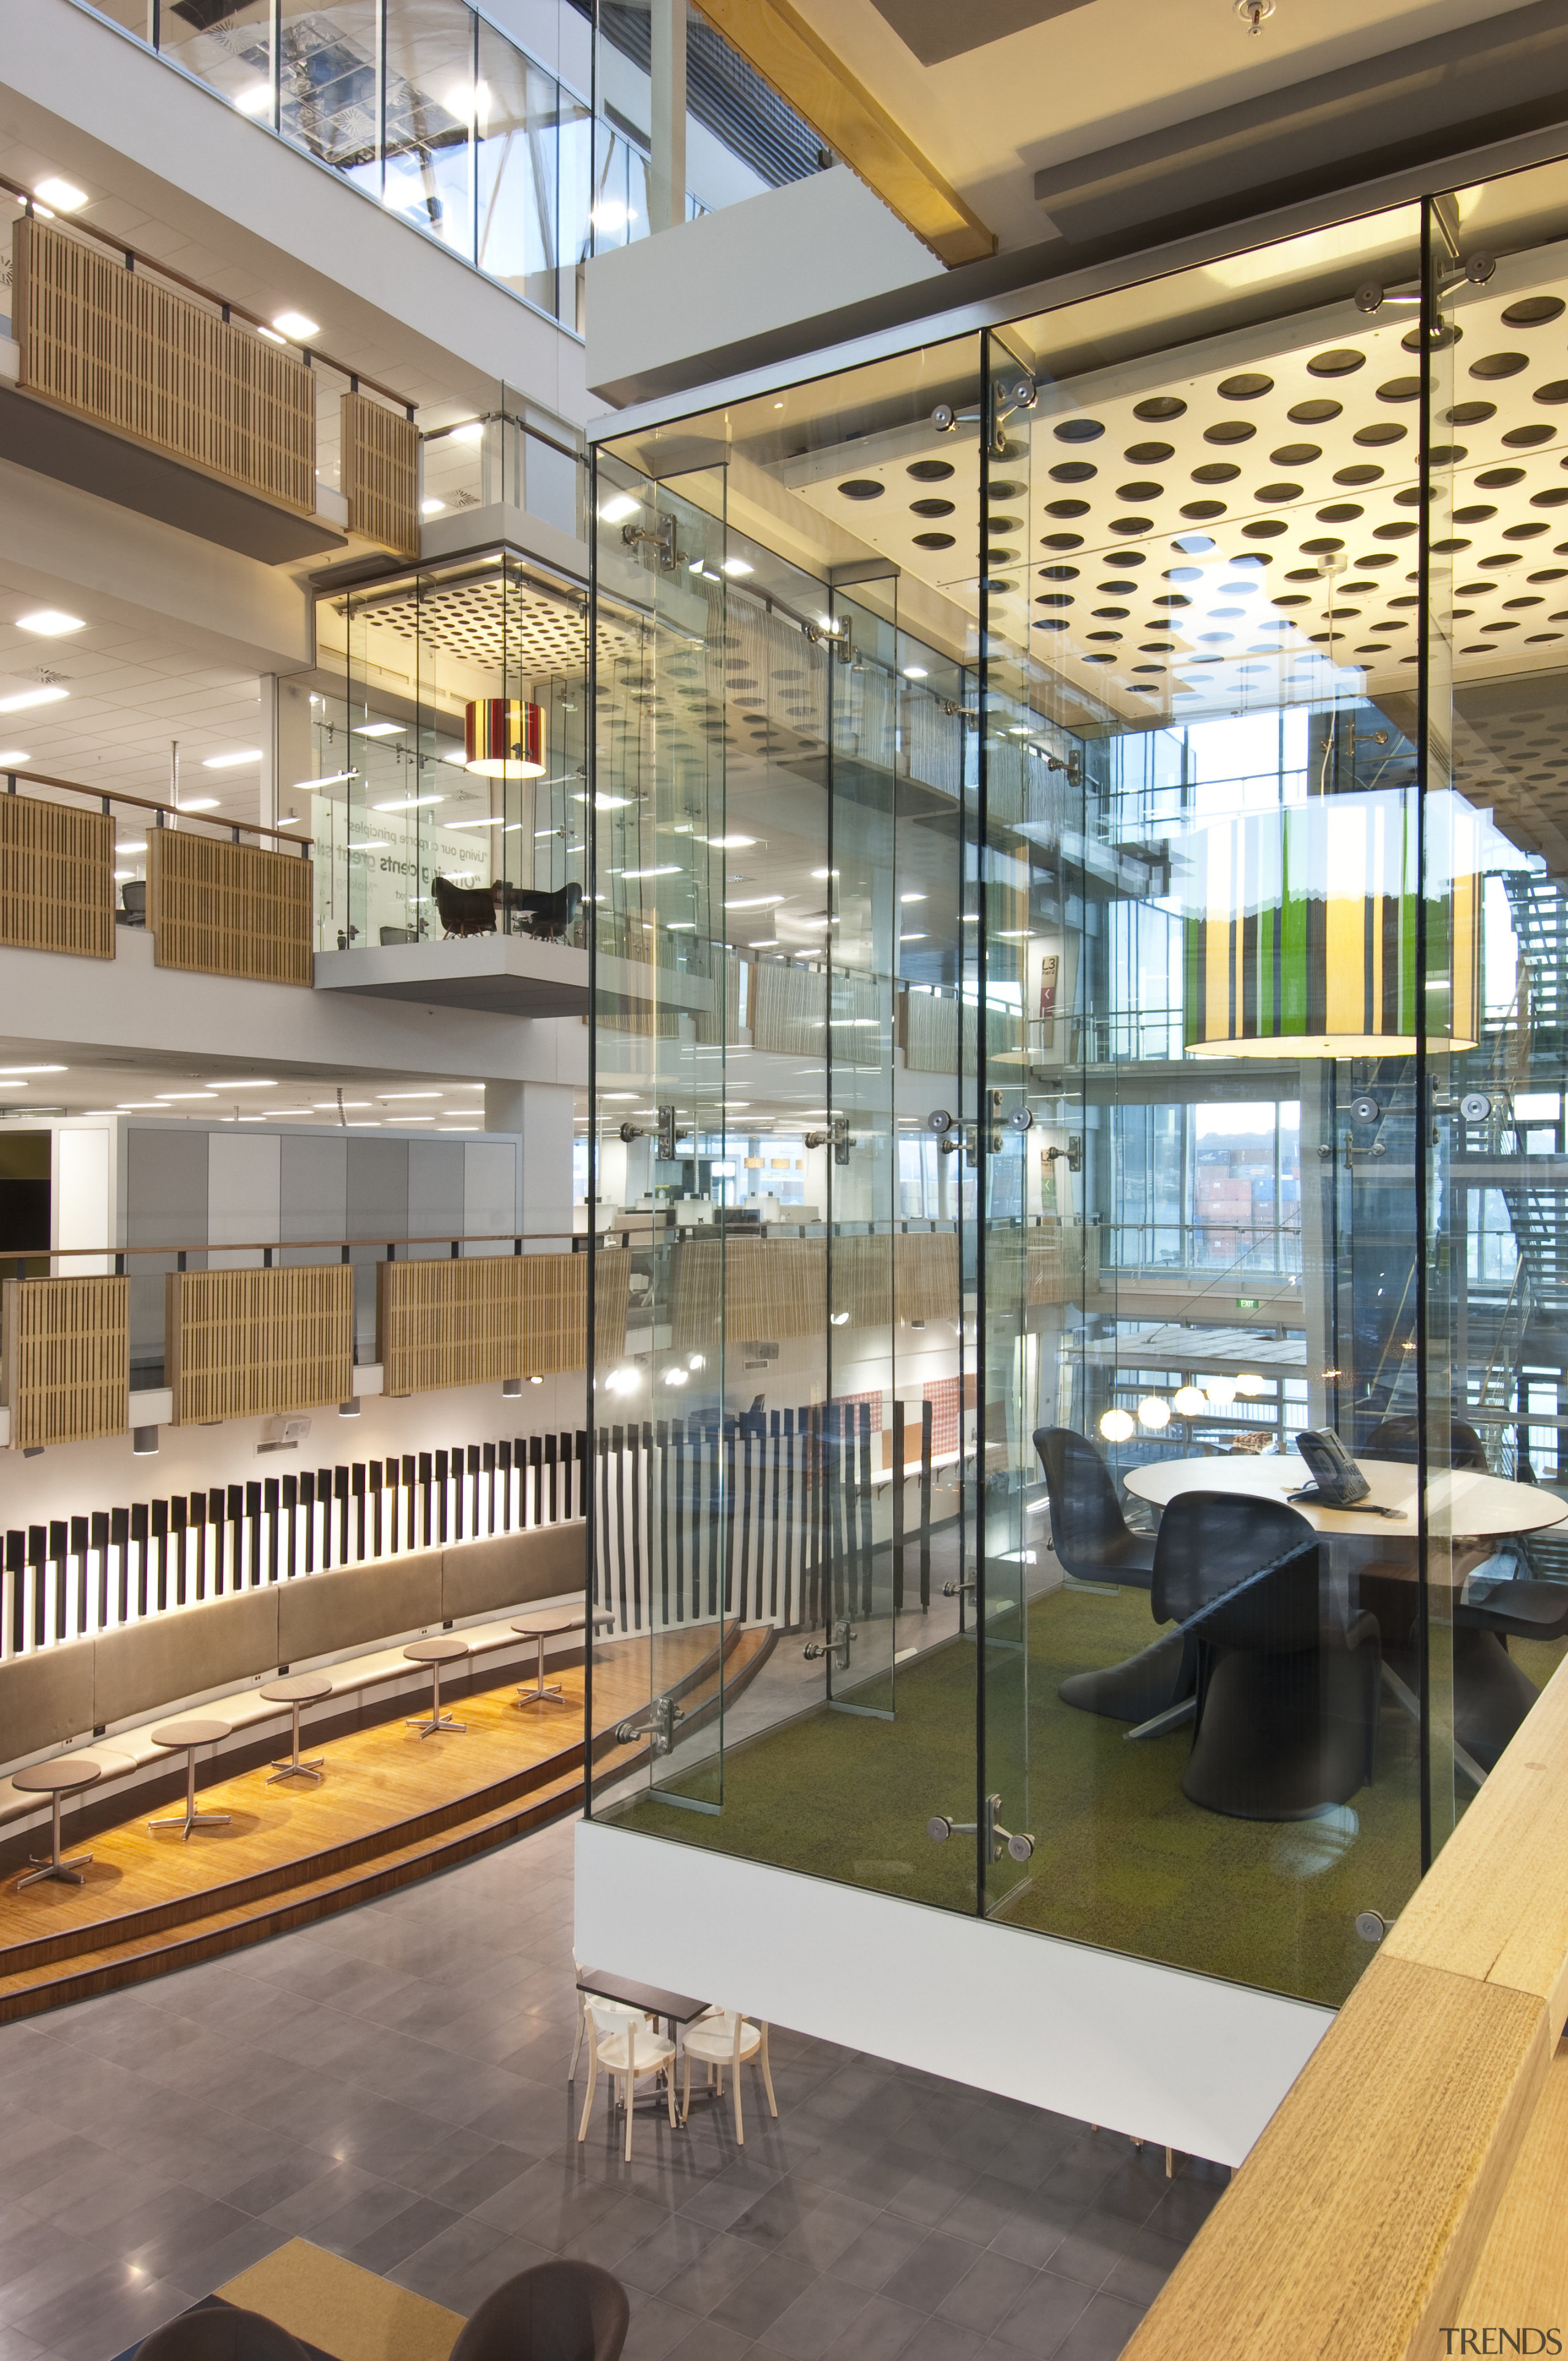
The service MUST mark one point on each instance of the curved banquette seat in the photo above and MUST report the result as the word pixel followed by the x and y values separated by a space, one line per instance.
pixel 350 1623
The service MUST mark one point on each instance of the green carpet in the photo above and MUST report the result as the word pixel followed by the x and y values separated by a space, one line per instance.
pixel 1122 1859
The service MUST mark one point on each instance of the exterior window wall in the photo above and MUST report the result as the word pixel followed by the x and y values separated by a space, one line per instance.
pixel 1092 824
pixel 426 107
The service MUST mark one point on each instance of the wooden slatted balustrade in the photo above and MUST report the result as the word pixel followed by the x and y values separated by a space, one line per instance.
pixel 380 473
pixel 478 1320
pixel 65 1359
pixel 57 883
pixel 218 908
pixel 127 352
pixel 248 1344
pixel 778 1288
pixel 1414 2182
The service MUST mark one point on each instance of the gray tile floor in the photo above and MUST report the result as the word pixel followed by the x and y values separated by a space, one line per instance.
pixel 392 2085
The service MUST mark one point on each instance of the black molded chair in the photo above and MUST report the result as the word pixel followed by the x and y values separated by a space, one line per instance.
pixel 1094 1542
pixel 556 2312
pixel 1286 1725
pixel 1492 1695
pixel 221 2332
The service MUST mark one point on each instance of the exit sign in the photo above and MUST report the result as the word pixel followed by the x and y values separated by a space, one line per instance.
pixel 1249 1304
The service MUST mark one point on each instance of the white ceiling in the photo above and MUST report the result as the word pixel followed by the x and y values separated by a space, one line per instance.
pixel 1110 71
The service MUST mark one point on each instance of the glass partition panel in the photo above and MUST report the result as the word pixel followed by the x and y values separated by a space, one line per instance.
pixel 783 747
pixel 430 102
pixel 329 85
pixel 1497 1589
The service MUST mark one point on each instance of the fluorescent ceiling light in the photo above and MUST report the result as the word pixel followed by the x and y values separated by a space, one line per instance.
pixel 911 897
pixel 139 847
pixel 729 844
pixel 368 843
pixel 670 869
pixel 197 803
pixel 307 787
pixel 29 697
pixel 616 510
pixel 271 335
pixel 770 943
pixel 471 431
pixel 431 508
pixel 12 754
pixel 296 325
pixel 379 729
pixel 256 98
pixel 601 803
pixel 914 671
pixel 410 803
pixel 167 1097
pixel 737 566
pixel 232 762
pixel 496 819
pixel 757 902
pixel 223 1084
pixel 291 820
pixel 385 1097
pixel 912 939
pixel 50 622
pixel 63 195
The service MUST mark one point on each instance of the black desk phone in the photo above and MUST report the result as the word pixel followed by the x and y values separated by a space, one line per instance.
pixel 1338 1482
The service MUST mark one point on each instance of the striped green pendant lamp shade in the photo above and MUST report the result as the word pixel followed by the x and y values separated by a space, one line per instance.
pixel 1300 930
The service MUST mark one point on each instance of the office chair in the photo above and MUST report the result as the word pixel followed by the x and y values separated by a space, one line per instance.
pixel 1286 1725
pixel 1492 1695
pixel 1093 1541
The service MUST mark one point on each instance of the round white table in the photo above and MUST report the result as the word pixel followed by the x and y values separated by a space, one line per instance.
pixel 1460 1503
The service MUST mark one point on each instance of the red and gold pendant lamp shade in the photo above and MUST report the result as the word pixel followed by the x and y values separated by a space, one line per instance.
pixel 505 738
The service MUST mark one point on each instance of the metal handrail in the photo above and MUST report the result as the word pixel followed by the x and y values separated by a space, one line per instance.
pixel 108 796
pixel 132 255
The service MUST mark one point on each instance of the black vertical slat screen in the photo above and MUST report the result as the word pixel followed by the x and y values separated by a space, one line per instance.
pixel 766 1517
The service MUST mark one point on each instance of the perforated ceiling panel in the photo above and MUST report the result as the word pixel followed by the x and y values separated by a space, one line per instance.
pixel 1198 539
pixel 498 622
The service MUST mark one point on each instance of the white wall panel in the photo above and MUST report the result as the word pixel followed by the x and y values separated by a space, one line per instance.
pixel 244 1193
pixel 1164 2056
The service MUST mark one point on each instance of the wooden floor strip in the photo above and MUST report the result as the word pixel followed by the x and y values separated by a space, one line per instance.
pixel 392 1807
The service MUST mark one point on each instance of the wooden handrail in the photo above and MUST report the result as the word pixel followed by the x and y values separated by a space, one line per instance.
pixel 132 255
pixel 1385 2196
pixel 143 802
pixel 293 1246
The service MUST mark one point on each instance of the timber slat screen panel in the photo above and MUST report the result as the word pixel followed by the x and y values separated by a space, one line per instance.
pixel 57 884
pixel 65 1359
pixel 217 909
pixel 772 1289
pixel 247 1344
pixel 930 1035
pixel 479 1320
pixel 380 473
pixel 790 1012
pixel 116 348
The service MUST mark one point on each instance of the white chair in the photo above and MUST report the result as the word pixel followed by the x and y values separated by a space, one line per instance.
pixel 723 2038
pixel 629 2053
pixel 606 2008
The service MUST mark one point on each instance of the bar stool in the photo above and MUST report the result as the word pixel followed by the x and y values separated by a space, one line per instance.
pixel 553 1625
pixel 435 1653
pixel 189 1734
pixel 64 1777
pixel 296 1689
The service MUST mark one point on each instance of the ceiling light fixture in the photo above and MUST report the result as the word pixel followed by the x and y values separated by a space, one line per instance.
pixel 197 803
pixel 309 787
pixel 50 622
pixel 255 99
pixel 12 755
pixel 235 761
pixel 504 738
pixel 296 326
pixel 379 729
pixel 410 803
pixel 63 195
pixel 26 697
pixel 431 508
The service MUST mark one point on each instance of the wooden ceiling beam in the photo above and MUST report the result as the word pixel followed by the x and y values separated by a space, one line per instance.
pixel 794 60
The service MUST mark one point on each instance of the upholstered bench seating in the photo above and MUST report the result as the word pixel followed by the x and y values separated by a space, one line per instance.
pixel 350 1624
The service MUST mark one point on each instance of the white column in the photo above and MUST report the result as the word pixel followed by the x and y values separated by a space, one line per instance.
pixel 267 789
pixel 667 172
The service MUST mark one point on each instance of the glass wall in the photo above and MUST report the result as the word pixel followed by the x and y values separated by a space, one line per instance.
pixel 425 106
pixel 398 819
pixel 1076 805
